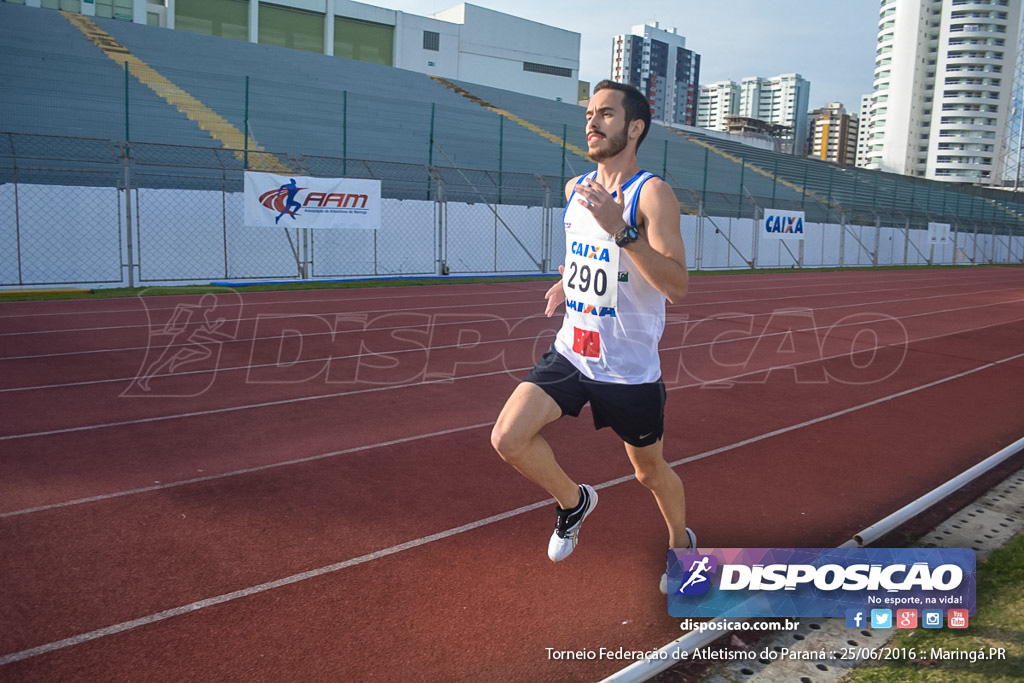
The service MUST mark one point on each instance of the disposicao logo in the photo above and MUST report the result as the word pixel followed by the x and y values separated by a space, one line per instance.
pixel 818 582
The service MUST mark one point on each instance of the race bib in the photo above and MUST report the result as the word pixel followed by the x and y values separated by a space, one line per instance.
pixel 591 274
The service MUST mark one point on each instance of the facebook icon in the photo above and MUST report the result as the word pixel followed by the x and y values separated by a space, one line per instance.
pixel 855 618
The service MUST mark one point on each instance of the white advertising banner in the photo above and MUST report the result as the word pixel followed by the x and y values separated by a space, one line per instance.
pixel 301 202
pixel 783 225
pixel 938 233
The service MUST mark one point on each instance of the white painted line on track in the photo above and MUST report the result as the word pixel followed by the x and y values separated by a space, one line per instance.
pixel 346 295
pixel 453 430
pixel 446 380
pixel 247 470
pixel 442 535
pixel 668 323
pixel 531 302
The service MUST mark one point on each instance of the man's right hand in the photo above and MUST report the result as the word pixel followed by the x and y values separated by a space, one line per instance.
pixel 555 296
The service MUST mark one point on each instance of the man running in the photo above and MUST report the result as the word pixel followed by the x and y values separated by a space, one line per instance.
pixel 624 258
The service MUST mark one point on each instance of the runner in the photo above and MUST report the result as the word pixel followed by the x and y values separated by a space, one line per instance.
pixel 624 258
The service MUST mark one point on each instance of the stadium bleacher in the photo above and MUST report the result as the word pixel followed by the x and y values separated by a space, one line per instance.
pixel 485 143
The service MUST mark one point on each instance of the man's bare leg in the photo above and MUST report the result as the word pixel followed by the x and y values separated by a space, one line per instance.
pixel 653 472
pixel 516 437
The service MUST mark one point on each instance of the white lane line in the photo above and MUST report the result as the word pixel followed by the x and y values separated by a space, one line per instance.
pixel 800 282
pixel 453 430
pixel 247 470
pixel 503 371
pixel 533 302
pixel 429 327
pixel 439 536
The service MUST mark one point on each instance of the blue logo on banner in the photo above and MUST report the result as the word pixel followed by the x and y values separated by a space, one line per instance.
pixel 856 618
pixel 819 582
pixel 931 618
pixel 881 618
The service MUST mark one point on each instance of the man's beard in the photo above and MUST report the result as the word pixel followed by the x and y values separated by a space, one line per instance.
pixel 615 144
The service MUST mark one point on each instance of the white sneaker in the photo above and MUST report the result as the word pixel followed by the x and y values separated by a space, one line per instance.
pixel 663 586
pixel 567 528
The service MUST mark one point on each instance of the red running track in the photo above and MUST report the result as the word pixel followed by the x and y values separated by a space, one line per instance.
pixel 300 486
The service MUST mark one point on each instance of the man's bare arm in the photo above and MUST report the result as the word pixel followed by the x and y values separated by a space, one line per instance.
pixel 659 253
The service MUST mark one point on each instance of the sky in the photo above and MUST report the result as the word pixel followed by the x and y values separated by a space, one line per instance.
pixel 831 43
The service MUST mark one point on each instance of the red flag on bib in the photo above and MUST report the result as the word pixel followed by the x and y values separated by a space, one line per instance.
pixel 586 342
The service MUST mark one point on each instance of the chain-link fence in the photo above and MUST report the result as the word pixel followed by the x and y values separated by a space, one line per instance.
pixel 98 212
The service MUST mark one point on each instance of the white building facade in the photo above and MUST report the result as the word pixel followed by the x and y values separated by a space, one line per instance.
pixel 782 100
pixel 657 62
pixel 717 101
pixel 465 42
pixel 864 132
pixel 943 80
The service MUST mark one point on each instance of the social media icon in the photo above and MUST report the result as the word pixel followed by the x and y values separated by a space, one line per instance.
pixel 881 618
pixel 958 618
pixel 906 618
pixel 931 618
pixel 856 618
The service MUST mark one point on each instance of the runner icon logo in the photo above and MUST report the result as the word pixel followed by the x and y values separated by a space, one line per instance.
pixel 695 580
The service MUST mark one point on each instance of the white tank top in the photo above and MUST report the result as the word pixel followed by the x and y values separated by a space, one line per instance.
pixel 614 318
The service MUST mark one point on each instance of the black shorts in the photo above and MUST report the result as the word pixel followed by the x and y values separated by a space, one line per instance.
pixel 636 412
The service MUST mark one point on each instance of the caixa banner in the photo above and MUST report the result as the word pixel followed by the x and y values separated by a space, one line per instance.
pixel 303 202
pixel 817 582
pixel 783 225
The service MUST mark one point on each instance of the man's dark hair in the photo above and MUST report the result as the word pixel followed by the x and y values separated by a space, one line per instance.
pixel 636 105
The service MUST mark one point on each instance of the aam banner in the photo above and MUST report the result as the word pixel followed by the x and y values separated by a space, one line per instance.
pixel 783 225
pixel 303 202
pixel 818 582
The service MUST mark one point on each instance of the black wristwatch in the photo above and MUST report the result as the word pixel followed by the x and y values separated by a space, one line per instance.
pixel 626 235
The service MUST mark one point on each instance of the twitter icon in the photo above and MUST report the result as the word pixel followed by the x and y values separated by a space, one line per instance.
pixel 881 618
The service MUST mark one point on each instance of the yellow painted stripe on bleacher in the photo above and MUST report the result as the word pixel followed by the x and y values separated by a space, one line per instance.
pixel 756 169
pixel 547 135
pixel 207 119
pixel 1004 207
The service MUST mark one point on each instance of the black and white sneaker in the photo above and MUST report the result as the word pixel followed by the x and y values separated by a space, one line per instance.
pixel 663 586
pixel 567 528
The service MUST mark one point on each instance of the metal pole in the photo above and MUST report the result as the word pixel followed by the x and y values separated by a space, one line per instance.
pixel 430 153
pixel 127 132
pixel 564 132
pixel 245 142
pixel 430 149
pixel 775 181
pixel 501 149
pixel 128 218
pixel 344 132
pixel 739 202
pixel 906 241
pixel 842 239
pixel 704 191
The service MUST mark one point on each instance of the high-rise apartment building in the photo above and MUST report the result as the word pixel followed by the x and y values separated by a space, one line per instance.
pixel 833 135
pixel 717 101
pixel 864 131
pixel 657 62
pixel 782 100
pixel 943 79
